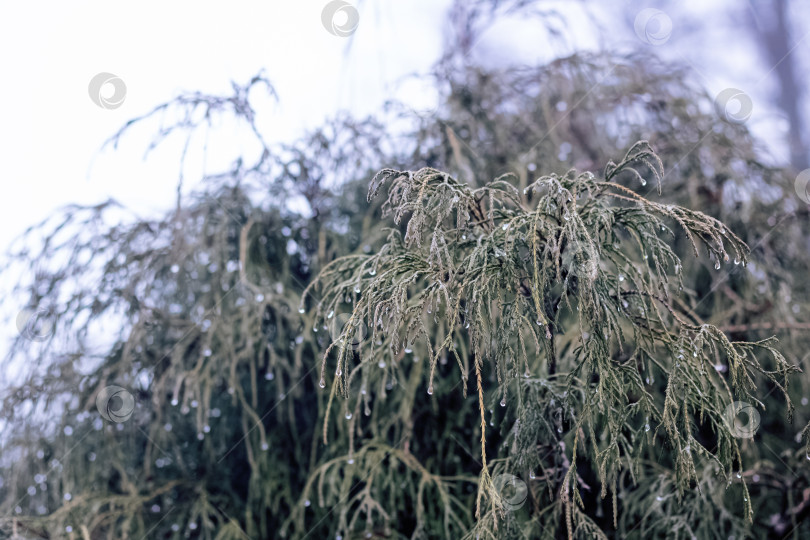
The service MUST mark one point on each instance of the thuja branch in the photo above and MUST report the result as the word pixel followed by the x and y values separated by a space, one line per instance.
pixel 583 258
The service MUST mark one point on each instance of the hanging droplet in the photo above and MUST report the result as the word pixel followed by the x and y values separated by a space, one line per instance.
pixel 372 272
pixel 643 182
pixel 463 236
pixel 430 390
pixel 567 216
pixel 736 260
pixel 381 364
pixel 331 314
pixel 621 277
pixel 559 430
pixel 265 446
pixel 322 383
pixel 350 461
pixel 301 310
pixel 539 322
pixel 505 226
pixel 503 402
pixel 717 265
pixel 307 503
pixel 314 328
pixel 659 498
pixel 408 350
pixel 338 371
pixel 348 415
pixel 646 427
pixel 694 354
pixel 269 376
pixel 532 476
pixel 739 475
pixel 357 289
pixel 526 374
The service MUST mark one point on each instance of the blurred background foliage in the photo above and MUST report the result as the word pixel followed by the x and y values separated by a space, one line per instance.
pixel 197 315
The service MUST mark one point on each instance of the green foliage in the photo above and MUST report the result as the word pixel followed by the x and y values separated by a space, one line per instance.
pixel 437 278
pixel 577 257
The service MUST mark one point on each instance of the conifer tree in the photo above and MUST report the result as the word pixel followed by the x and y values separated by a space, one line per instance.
pixel 491 330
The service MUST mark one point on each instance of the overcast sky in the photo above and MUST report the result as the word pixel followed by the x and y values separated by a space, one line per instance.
pixel 51 131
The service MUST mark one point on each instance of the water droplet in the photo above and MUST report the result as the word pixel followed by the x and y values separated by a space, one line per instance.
pixel 301 310
pixel 505 226
pixel 269 376
pixel 539 322
pixel 357 289
pixel 526 374
pixel 322 383
pixel 372 272
pixel 503 402
pixel 331 314
pixel 307 503
pixel 532 476
pixel 381 363
pixel 621 277
pixel 739 475
pixel 643 182
pixel 646 427
pixel 408 350
pixel 350 461
pixel 736 260
pixel 430 390
pixel 260 297
pixel 717 265
pixel 567 216
pixel 175 269
pixel 348 415
pixel 265 446
pixel 463 236
pixel 659 498
pixel 694 354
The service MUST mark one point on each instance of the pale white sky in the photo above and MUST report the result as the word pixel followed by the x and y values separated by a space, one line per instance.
pixel 51 131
